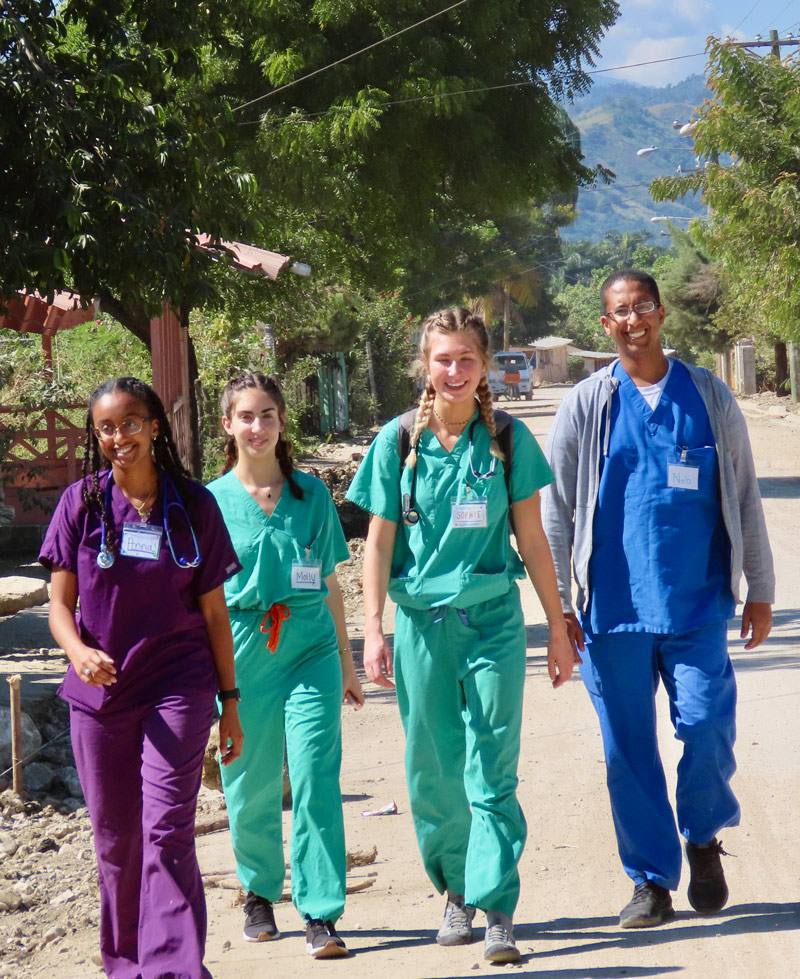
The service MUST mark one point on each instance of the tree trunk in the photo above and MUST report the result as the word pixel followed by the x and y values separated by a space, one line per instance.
pixel 781 370
pixel 195 454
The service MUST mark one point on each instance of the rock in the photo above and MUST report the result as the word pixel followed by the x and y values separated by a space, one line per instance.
pixel 17 593
pixel 31 739
pixel 37 776
pixel 10 802
pixel 8 845
pixel 47 845
pixel 69 777
pixel 64 897
pixel 211 776
pixel 55 931
pixel 9 900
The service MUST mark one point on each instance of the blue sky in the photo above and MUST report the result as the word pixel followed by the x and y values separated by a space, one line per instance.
pixel 647 30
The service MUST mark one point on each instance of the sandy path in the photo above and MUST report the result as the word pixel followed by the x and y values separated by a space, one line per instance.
pixel 573 886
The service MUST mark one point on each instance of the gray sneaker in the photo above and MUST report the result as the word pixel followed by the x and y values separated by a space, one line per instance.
pixel 456 926
pixel 259 919
pixel 499 943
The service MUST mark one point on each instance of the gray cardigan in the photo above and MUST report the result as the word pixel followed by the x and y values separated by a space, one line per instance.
pixel 574 451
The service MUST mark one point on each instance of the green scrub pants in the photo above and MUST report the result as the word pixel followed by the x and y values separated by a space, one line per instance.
pixel 296 692
pixel 460 677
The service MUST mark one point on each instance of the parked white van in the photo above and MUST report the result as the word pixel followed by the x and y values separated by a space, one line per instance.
pixel 510 375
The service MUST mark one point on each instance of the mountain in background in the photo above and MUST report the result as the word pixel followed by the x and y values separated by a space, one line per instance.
pixel 616 119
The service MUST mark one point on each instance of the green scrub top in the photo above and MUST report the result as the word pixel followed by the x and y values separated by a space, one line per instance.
pixel 304 531
pixel 434 562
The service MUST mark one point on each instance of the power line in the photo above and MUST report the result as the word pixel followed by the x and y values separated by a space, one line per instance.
pixel 347 57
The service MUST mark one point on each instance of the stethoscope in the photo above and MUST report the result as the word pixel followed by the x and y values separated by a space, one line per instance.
pixel 409 512
pixel 105 558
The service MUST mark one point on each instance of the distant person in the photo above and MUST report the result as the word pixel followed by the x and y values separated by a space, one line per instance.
pixel 139 553
pixel 656 505
pixel 294 665
pixel 440 490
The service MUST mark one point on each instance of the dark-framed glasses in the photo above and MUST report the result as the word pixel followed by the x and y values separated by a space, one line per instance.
pixel 131 426
pixel 624 312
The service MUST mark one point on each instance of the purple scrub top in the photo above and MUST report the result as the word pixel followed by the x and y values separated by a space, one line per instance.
pixel 144 614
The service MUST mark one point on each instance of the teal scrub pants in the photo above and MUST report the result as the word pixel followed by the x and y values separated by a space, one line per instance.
pixel 460 677
pixel 294 693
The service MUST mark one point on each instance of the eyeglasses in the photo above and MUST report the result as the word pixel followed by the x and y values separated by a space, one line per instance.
pixel 131 426
pixel 624 312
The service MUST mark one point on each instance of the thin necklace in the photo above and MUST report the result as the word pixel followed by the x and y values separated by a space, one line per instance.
pixel 142 510
pixel 450 424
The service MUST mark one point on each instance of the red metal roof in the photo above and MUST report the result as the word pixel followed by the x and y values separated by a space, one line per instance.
pixel 30 313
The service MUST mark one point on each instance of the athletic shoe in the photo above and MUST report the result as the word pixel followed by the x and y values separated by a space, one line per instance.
pixel 708 892
pixel 259 919
pixel 456 926
pixel 322 942
pixel 650 905
pixel 499 943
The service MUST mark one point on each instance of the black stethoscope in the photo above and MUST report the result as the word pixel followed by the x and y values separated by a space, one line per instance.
pixel 409 512
pixel 105 558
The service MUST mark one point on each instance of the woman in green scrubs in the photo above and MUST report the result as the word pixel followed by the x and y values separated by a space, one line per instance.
pixel 438 544
pixel 293 665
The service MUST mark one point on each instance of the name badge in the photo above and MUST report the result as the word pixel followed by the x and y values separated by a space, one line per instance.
pixel 141 540
pixel 682 477
pixel 306 575
pixel 469 513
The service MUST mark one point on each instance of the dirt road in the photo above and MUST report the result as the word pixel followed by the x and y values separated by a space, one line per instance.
pixel 573 886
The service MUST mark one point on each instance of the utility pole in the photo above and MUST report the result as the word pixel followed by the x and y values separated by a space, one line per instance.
pixel 774 42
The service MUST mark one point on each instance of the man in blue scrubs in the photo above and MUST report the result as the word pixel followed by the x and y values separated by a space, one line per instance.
pixel 657 507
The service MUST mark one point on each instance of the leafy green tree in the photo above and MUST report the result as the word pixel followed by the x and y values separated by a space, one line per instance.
pixel 692 291
pixel 754 202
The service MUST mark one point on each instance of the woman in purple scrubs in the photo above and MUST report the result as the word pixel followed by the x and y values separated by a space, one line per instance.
pixel 145 550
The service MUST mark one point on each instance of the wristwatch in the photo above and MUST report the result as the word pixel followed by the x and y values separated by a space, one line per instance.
pixel 230 694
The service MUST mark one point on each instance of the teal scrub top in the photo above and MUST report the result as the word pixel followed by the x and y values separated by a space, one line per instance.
pixel 434 562
pixel 298 530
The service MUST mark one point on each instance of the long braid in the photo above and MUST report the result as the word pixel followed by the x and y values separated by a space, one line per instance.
pixel 93 498
pixel 283 453
pixel 421 423
pixel 231 455
pixel 484 396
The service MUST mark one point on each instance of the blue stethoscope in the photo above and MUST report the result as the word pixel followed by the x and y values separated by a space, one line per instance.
pixel 410 513
pixel 105 558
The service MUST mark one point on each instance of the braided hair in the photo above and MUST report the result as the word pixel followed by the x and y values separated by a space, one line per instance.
pixel 283 449
pixel 165 452
pixel 458 320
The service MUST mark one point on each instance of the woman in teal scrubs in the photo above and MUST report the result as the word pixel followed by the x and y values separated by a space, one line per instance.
pixel 294 667
pixel 438 543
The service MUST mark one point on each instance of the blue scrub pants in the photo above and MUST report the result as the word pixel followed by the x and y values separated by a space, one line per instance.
pixel 621 672
pixel 294 693
pixel 460 678
pixel 140 771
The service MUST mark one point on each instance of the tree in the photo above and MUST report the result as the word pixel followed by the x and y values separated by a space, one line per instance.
pixel 126 128
pixel 692 292
pixel 753 226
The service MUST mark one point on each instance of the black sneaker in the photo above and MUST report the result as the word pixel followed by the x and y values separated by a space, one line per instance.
pixel 259 919
pixel 322 942
pixel 650 905
pixel 708 891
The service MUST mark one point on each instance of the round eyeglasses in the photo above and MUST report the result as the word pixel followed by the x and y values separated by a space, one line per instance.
pixel 624 312
pixel 131 426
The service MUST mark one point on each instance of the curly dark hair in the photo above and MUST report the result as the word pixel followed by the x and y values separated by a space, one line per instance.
pixel 283 450
pixel 165 451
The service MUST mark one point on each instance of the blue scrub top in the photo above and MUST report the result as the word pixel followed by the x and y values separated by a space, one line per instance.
pixel 660 553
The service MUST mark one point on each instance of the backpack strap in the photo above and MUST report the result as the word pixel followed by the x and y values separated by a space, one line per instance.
pixel 405 423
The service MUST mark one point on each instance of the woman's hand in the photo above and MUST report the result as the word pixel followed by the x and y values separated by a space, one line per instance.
pixel 93 666
pixel 231 735
pixel 351 686
pixel 378 661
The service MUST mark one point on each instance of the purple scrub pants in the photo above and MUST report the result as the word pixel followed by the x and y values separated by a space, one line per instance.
pixel 140 770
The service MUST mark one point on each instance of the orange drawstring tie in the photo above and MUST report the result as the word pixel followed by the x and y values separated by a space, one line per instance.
pixel 278 614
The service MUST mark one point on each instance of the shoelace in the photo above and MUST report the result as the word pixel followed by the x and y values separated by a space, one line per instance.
pixel 497 935
pixel 457 916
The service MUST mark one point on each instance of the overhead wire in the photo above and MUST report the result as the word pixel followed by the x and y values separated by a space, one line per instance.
pixel 354 54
